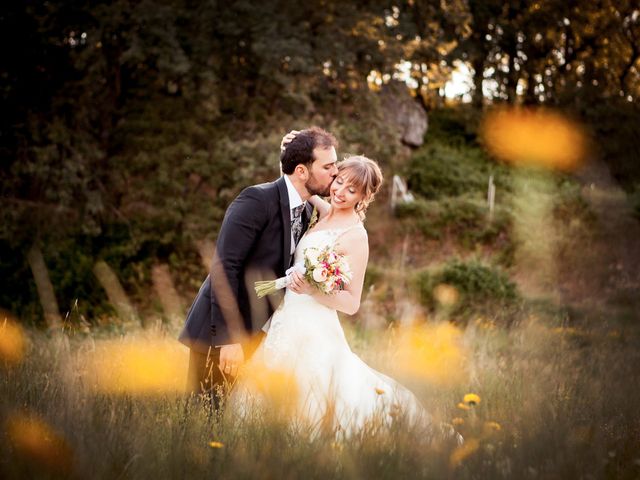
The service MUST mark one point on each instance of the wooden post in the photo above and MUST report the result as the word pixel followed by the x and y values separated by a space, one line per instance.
pixel 45 288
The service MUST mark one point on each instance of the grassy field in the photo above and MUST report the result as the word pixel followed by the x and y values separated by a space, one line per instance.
pixel 553 401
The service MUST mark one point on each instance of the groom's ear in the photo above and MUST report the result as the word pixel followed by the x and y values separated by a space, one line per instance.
pixel 301 171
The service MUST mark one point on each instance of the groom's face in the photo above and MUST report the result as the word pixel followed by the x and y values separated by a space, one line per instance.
pixel 322 171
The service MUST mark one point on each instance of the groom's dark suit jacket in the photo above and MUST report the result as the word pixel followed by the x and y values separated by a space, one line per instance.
pixel 253 244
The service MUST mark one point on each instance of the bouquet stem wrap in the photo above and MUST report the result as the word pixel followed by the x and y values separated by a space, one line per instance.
pixel 267 287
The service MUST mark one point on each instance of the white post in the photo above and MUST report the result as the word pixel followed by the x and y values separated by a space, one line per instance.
pixel 399 191
pixel 491 196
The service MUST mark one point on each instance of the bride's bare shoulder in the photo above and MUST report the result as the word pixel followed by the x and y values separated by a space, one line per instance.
pixel 356 237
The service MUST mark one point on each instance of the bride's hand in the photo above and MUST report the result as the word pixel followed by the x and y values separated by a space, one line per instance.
pixel 287 139
pixel 300 285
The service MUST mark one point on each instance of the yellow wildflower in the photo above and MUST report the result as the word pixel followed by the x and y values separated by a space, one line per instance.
pixel 471 399
pixel 492 427
pixel 446 295
pixel 216 444
pixel 36 441
pixel 12 341
pixel 463 406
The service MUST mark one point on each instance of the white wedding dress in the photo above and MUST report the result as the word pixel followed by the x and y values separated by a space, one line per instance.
pixel 333 385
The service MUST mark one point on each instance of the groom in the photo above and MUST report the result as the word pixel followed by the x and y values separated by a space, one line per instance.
pixel 256 242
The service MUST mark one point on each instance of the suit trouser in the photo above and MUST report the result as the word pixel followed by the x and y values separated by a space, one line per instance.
pixel 204 375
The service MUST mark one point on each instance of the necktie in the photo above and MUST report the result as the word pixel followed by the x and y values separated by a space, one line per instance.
pixel 296 223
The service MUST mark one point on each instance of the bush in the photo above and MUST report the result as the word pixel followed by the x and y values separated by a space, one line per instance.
pixel 440 170
pixel 478 286
pixel 569 204
pixel 465 218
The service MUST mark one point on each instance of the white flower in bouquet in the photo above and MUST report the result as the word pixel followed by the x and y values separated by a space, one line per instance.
pixel 320 274
pixel 312 254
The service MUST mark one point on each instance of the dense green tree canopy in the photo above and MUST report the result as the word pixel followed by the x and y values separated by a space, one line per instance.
pixel 127 127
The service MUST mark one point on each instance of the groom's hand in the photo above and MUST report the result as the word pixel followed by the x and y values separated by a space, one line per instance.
pixel 287 138
pixel 231 358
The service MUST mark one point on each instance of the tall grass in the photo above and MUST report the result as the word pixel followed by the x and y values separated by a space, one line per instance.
pixel 554 402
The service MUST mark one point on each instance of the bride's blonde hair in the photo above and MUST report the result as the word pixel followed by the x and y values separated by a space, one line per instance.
pixel 365 175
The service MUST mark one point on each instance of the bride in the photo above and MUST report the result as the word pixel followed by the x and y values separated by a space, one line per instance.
pixel 330 385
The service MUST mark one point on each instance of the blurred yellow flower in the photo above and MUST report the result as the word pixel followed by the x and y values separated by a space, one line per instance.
pixel 534 137
pixel 432 352
pixel 36 442
pixel 446 295
pixel 463 406
pixel 457 421
pixel 216 444
pixel 490 427
pixel 136 366
pixel 463 451
pixel 471 399
pixel 570 331
pixel 278 387
pixel 12 342
pixel 485 323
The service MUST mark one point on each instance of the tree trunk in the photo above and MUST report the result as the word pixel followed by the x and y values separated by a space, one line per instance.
pixel 45 288
pixel 478 78
pixel 167 294
pixel 530 95
pixel 115 293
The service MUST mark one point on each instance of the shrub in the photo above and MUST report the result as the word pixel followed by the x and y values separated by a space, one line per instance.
pixel 465 218
pixel 569 204
pixel 439 170
pixel 478 286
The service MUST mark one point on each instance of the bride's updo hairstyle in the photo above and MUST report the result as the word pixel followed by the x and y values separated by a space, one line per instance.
pixel 365 175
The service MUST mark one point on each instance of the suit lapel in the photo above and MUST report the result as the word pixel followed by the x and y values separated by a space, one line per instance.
pixel 306 217
pixel 285 211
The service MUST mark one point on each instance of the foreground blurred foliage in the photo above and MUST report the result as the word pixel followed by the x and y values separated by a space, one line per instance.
pixel 540 399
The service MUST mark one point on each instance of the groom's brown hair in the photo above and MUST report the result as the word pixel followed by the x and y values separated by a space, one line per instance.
pixel 300 149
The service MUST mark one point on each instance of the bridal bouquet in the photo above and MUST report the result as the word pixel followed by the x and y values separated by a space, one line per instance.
pixel 325 269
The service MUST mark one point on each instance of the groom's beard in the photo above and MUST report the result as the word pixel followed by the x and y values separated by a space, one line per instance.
pixel 314 187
